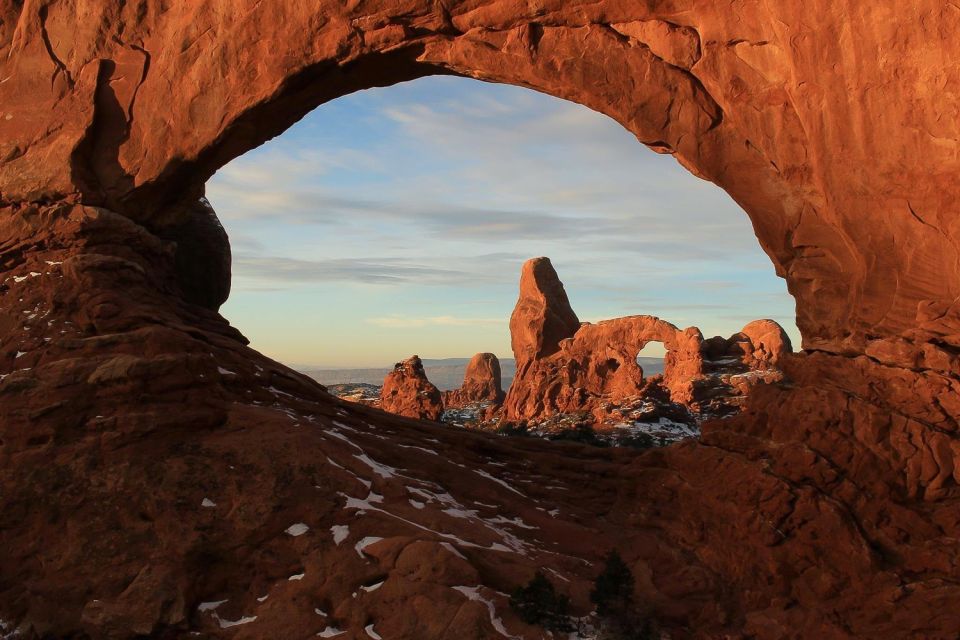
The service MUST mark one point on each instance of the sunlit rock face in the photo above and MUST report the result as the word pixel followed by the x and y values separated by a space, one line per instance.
pixel 827 509
pixel 564 367
pixel 481 382
pixel 594 368
pixel 407 392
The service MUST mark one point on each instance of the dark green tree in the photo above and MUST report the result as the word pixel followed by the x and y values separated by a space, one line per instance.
pixel 613 588
pixel 539 603
pixel 620 617
pixel 582 433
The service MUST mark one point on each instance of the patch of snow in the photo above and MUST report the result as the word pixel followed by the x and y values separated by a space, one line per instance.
pixel 297 529
pixel 464 514
pixel 210 606
pixel 497 480
pixel 296 576
pixel 373 587
pixel 225 372
pixel 452 549
pixel 7 632
pixel 416 504
pixel 320 612
pixel 330 632
pixel 473 593
pixel 207 502
pixel 410 446
pixel 381 470
pixel 263 598
pixel 340 533
pixel 373 634
pixel 19 354
pixel 557 574
pixel 226 624
pixel 364 543
pixel 516 521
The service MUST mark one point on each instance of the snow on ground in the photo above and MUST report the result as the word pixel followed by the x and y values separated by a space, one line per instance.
pixel 210 606
pixel 8 632
pixel 340 533
pixel 297 529
pixel 364 543
pixel 381 470
pixel 486 475
pixel 664 428
pixel 473 593
pixel 452 549
pixel 372 587
pixel 226 624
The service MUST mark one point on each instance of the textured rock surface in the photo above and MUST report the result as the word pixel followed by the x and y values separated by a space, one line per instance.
pixel 763 342
pixel 407 392
pixel 481 382
pixel 542 316
pixel 595 369
pixel 827 509
pixel 564 371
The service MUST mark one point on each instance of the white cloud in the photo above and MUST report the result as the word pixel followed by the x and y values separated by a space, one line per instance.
pixel 406 322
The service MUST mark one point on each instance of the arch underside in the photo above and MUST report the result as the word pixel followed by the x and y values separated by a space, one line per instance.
pixel 827 508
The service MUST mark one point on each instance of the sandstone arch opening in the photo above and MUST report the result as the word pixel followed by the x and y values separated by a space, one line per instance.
pixel 136 419
pixel 455 182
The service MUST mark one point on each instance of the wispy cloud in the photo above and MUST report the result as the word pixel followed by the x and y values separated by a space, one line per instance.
pixel 418 203
pixel 406 322
pixel 368 271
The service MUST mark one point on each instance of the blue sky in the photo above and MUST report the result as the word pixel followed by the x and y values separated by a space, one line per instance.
pixel 394 221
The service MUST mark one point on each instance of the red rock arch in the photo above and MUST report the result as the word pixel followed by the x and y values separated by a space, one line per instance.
pixel 827 509
pixel 148 101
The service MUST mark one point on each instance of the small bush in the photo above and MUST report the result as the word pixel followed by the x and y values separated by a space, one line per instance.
pixel 539 603
pixel 637 441
pixel 514 429
pixel 613 588
pixel 620 617
pixel 582 433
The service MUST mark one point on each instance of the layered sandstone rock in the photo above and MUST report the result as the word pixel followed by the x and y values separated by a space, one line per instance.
pixel 481 383
pixel 764 343
pixel 563 372
pixel 407 392
pixel 542 316
pixel 152 464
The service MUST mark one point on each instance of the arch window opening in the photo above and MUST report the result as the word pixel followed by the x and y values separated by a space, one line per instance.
pixel 396 221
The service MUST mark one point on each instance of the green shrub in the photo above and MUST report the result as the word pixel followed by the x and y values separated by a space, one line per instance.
pixel 582 433
pixel 637 441
pixel 619 616
pixel 539 603
pixel 515 429
pixel 613 588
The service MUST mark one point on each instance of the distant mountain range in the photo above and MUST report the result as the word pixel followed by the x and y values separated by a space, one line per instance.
pixel 445 373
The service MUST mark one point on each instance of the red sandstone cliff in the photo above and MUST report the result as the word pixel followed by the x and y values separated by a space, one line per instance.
pixel 128 405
